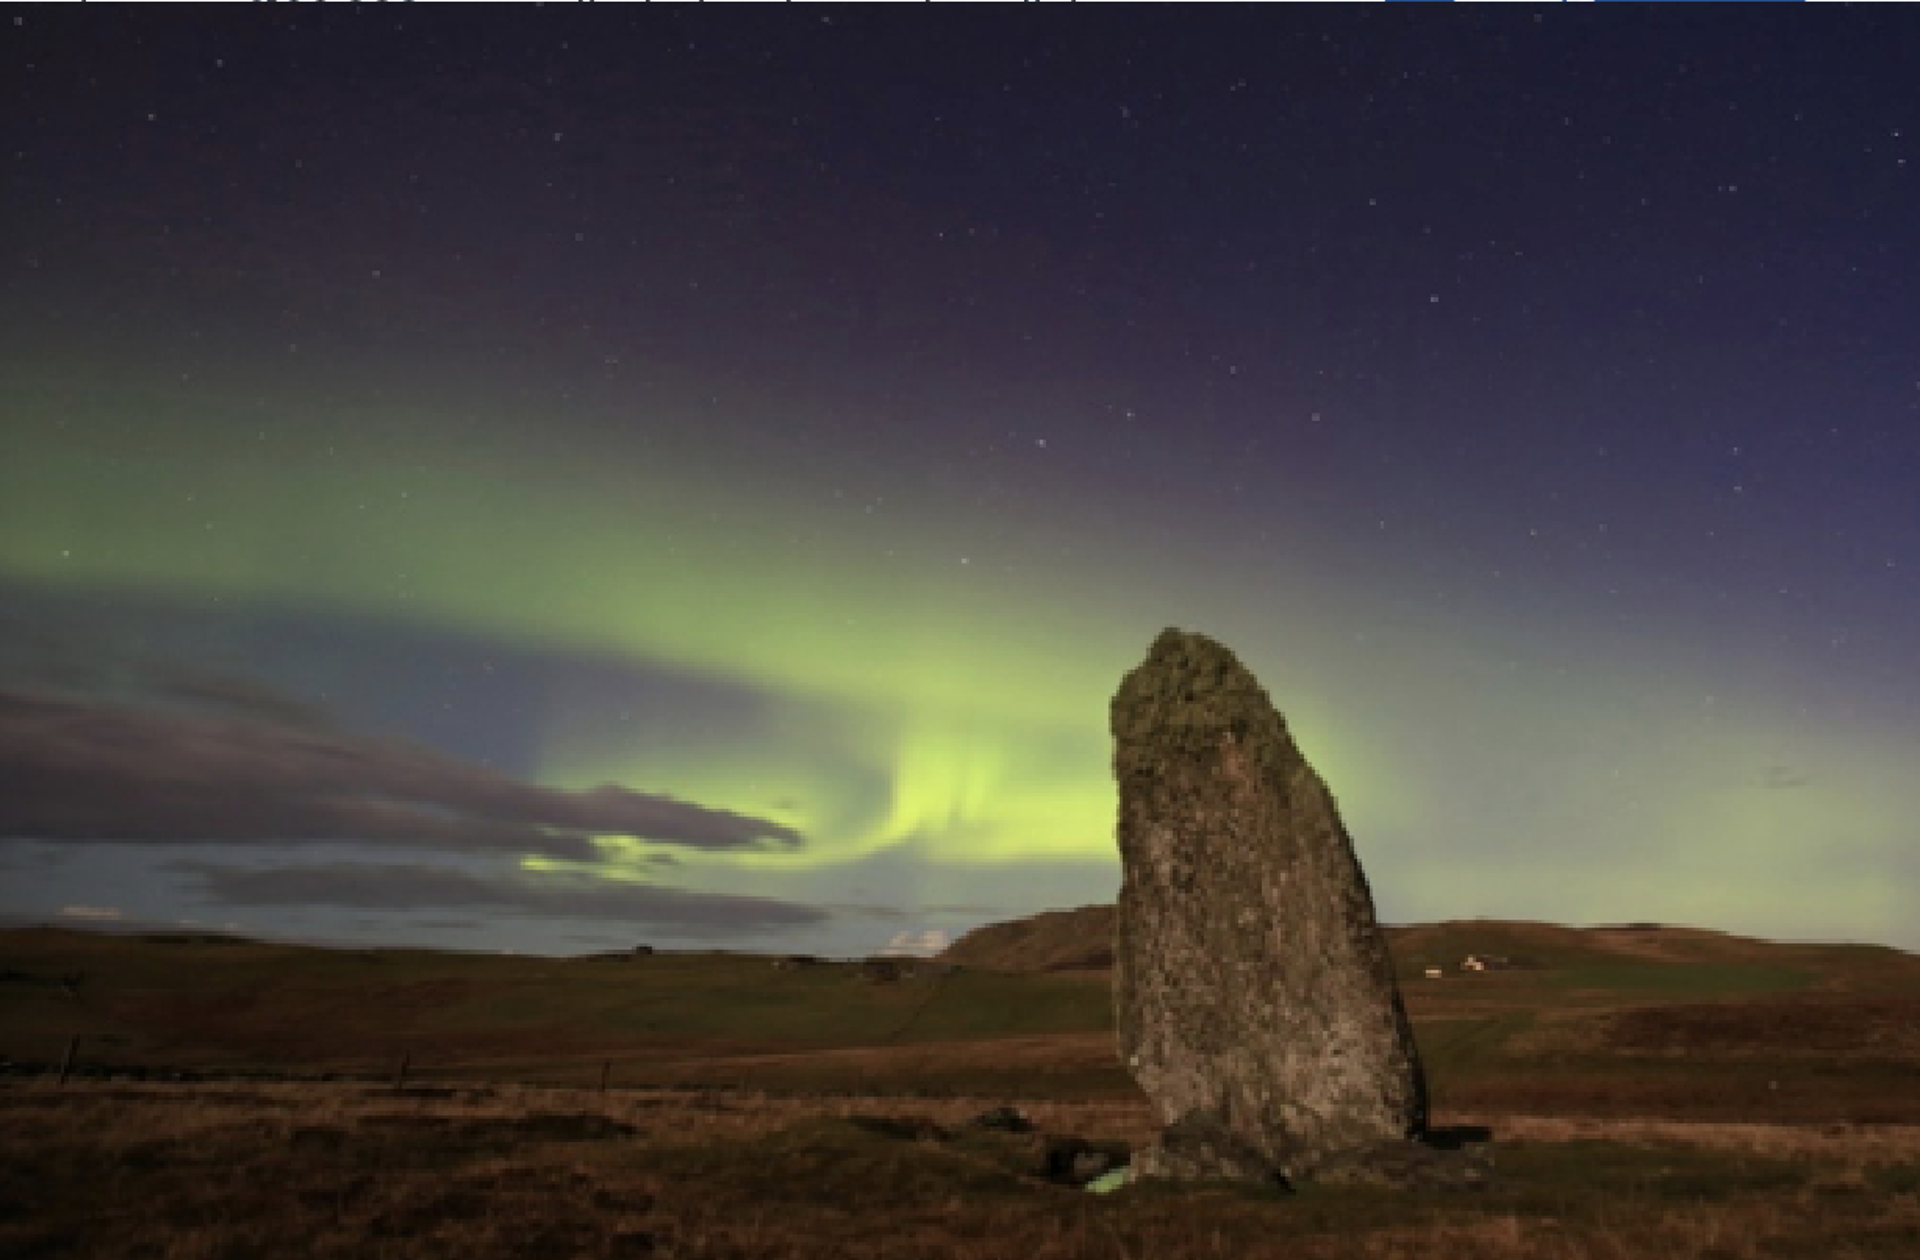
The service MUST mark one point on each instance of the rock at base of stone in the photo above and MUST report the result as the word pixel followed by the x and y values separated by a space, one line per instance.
pixel 1006 1119
pixel 1197 1147
pixel 1409 1166
pixel 1074 1161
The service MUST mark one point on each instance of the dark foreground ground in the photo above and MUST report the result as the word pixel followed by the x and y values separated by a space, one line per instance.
pixel 203 1171
pixel 1652 1094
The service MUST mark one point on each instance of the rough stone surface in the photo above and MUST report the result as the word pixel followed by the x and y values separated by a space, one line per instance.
pixel 1255 996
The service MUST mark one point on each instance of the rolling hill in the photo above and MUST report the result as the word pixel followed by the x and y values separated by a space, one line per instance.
pixel 1638 1020
pixel 1631 954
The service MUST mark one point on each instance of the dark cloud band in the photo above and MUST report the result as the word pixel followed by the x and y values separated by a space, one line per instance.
pixel 84 772
pixel 408 888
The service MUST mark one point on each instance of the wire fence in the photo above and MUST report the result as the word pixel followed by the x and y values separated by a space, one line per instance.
pixel 102 1057
pixel 97 1057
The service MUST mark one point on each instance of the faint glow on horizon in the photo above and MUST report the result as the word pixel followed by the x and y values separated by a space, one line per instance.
pixel 95 913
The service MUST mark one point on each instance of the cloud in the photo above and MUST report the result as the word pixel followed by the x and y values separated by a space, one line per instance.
pixel 917 944
pixel 532 894
pixel 240 696
pixel 89 912
pixel 254 771
pixel 1784 777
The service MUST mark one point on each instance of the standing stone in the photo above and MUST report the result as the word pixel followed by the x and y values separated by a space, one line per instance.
pixel 1255 996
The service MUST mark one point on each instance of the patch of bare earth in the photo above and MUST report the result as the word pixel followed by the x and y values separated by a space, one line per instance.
pixel 1819 1027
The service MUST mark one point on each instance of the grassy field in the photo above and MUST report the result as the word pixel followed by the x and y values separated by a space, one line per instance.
pixel 1652 1093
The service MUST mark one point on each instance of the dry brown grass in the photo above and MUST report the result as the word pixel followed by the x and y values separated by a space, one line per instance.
pixel 1843 1144
pixel 1748 1230
pixel 195 1172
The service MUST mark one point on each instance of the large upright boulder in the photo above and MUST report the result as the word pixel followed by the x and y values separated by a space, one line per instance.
pixel 1255 996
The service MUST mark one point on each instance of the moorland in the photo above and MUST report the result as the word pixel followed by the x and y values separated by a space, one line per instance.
pixel 1653 1091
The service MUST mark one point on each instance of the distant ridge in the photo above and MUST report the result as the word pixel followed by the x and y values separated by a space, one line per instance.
pixel 1054 940
pixel 1082 940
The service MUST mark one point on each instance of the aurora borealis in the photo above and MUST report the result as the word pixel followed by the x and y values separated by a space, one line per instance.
pixel 558 479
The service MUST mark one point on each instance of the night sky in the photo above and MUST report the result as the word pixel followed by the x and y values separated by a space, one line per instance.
pixel 553 480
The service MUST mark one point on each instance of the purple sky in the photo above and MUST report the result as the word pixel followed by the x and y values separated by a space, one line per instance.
pixel 550 479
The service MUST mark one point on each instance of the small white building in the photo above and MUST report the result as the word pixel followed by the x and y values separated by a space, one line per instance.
pixel 1433 973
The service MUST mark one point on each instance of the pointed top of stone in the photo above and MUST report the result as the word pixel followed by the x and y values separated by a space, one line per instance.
pixel 1190 650
pixel 1189 691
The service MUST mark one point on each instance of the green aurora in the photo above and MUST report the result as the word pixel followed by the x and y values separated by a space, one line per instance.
pixel 974 694
pixel 969 684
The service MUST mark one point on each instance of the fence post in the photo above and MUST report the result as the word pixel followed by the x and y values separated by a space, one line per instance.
pixel 66 1063
pixel 606 1067
pixel 400 1073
